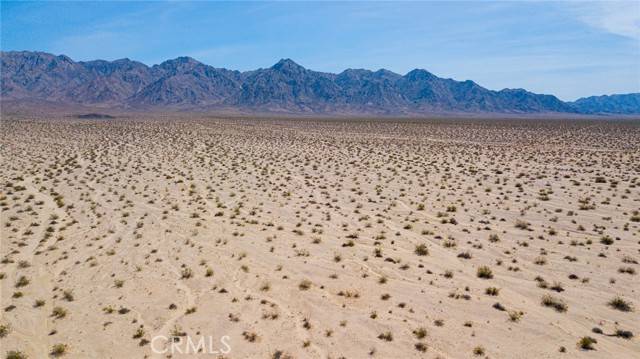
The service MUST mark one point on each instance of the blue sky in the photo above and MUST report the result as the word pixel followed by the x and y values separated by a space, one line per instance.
pixel 568 48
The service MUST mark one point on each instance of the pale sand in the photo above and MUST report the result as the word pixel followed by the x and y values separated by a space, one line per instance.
pixel 267 204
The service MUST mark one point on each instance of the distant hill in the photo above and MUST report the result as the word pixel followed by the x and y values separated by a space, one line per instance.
pixel 285 87
pixel 613 104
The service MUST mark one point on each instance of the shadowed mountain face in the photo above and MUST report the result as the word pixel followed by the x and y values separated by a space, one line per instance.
pixel 285 87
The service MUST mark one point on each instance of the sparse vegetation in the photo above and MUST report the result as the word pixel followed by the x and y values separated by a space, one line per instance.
pixel 386 336
pixel 420 230
pixel 586 343
pixel 421 250
pixel 16 354
pixel 555 303
pixel 485 272
pixel 58 350
pixel 305 284
pixel 620 304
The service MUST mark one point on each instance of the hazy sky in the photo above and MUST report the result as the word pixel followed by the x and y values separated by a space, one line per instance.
pixel 569 48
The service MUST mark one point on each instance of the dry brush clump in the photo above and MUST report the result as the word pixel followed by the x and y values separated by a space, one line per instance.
pixel 620 304
pixel 555 303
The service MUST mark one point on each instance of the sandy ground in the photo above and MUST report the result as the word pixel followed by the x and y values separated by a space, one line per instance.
pixel 319 238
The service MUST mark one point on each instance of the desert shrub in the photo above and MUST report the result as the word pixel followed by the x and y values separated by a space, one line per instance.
pixel 59 312
pixel 520 224
pixel 421 347
pixel 279 354
pixel 628 270
pixel 139 333
pixel 620 304
pixel 68 295
pixel 555 303
pixel 16 354
pixel 420 332
pixel 4 330
pixel 492 291
pixel 485 272
pixel 22 281
pixel 250 336
pixel 515 316
pixel 478 351
pixel 540 261
pixel 557 286
pixel 186 273
pixel 59 350
pixel 626 334
pixel 606 240
pixel 304 285
pixel 421 250
pixel 586 343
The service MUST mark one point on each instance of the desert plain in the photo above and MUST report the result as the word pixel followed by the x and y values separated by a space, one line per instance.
pixel 127 237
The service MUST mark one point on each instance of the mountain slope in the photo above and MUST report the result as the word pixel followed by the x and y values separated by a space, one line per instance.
pixel 285 87
pixel 185 81
pixel 612 104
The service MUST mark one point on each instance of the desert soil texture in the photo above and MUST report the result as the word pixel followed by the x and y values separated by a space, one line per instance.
pixel 133 236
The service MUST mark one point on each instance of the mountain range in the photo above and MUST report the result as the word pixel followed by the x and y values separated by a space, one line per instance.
pixel 286 87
